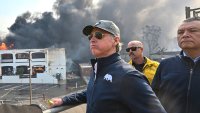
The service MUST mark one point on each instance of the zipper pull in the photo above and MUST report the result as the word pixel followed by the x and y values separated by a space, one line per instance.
pixel 95 71
pixel 191 71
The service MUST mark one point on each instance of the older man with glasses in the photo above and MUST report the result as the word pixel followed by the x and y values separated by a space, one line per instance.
pixel 139 61
pixel 114 86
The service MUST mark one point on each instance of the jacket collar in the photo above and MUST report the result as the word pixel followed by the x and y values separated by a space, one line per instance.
pixel 146 62
pixel 187 60
pixel 184 56
pixel 103 62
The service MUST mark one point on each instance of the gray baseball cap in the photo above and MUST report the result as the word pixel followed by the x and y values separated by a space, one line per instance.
pixel 106 25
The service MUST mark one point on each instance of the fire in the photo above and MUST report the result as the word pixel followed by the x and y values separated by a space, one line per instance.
pixel 3 46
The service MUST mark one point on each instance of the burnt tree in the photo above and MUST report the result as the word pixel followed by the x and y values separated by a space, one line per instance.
pixel 151 36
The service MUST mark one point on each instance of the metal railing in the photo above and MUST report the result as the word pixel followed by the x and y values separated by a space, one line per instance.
pixel 195 12
pixel 63 108
pixel 57 109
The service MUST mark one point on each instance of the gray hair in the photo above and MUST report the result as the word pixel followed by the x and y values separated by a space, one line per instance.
pixel 119 47
pixel 192 19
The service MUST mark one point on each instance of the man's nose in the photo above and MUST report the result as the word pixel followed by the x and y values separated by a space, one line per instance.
pixel 131 53
pixel 186 33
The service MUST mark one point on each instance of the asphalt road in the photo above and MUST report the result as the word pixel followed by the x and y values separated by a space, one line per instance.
pixel 21 92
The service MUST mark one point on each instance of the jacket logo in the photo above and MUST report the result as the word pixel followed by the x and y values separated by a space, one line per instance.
pixel 108 77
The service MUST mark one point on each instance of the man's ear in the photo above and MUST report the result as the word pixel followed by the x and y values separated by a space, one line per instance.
pixel 117 40
pixel 142 49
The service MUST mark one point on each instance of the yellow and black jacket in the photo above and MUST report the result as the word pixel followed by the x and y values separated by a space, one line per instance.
pixel 149 68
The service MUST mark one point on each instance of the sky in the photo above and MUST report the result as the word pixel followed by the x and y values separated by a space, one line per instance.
pixel 65 31
pixel 10 9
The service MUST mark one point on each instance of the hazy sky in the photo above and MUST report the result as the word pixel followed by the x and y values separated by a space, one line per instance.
pixel 132 16
pixel 10 9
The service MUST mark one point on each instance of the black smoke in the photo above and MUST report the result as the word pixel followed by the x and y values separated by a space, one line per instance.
pixel 63 26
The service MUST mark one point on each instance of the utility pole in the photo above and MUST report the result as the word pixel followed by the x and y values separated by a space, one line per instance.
pixel 30 73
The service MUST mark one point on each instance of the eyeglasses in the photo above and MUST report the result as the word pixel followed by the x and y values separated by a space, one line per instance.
pixel 132 49
pixel 97 35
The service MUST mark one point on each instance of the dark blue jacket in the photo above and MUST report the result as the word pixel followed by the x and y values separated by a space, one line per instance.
pixel 118 88
pixel 177 84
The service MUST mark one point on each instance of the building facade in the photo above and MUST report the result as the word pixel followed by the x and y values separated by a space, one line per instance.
pixel 41 65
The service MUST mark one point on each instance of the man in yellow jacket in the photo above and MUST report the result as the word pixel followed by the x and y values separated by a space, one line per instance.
pixel 139 61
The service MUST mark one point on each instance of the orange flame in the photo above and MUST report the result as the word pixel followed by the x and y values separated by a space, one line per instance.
pixel 3 46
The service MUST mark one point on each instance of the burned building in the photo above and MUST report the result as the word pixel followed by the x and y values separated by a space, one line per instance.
pixel 43 65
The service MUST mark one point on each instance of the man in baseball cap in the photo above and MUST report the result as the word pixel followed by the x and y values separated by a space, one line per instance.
pixel 114 85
